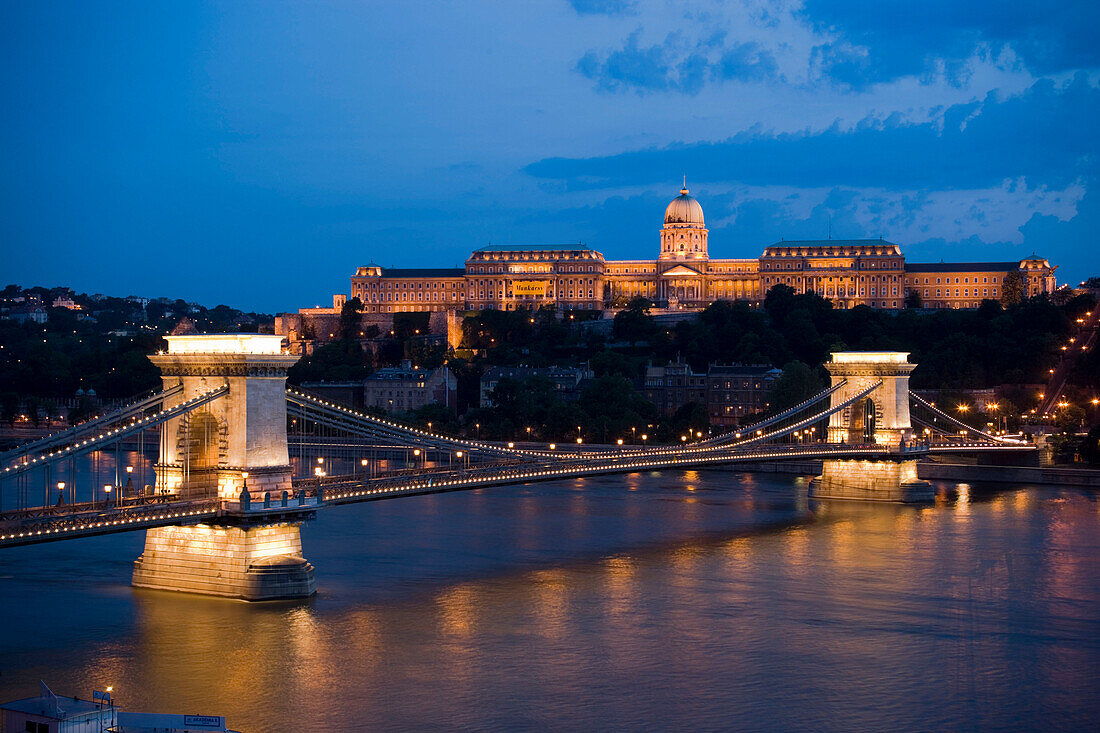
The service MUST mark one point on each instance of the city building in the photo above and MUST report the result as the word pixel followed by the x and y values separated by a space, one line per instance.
pixel 567 381
pixel 849 272
pixel 394 389
pixel 730 393
pixel 738 391
pixel 408 387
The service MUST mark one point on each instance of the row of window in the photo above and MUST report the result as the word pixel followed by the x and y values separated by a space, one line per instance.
pixel 861 265
pixel 966 280
pixel 561 268
pixel 965 293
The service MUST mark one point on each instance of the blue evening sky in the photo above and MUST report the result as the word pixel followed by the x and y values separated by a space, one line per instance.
pixel 254 153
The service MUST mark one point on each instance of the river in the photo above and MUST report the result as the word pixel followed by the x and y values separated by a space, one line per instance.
pixel 706 600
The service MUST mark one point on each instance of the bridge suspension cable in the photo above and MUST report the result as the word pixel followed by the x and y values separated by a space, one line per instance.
pixel 358 423
pixel 110 436
pixel 958 423
pixel 734 434
pixel 76 432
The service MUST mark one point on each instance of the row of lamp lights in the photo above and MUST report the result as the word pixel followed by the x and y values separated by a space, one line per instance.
pixel 107 488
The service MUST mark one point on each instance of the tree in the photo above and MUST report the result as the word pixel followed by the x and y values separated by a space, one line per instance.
pixel 1012 288
pixel 634 323
pixel 349 318
pixel 912 299
pixel 798 382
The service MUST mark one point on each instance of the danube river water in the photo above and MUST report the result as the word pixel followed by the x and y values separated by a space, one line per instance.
pixel 674 600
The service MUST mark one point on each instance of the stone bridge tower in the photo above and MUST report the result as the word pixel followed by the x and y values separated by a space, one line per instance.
pixel 208 450
pixel 883 416
pixel 215 451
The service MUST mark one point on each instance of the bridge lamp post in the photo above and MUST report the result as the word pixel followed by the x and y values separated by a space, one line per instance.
pixel 553 446
pixel 107 491
pixel 60 492
pixel 644 439
pixel 363 464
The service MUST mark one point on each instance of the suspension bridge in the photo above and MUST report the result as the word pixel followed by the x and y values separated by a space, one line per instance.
pixel 224 511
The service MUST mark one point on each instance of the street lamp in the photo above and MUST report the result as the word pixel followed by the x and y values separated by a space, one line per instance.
pixel 60 492
pixel 107 490
pixel 553 446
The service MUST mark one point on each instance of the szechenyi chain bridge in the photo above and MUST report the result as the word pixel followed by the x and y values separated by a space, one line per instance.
pixel 224 514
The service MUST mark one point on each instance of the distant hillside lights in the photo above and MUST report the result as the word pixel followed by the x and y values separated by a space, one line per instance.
pixel 871 272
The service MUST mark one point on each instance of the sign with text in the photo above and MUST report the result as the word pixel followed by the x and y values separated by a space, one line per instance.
pixel 529 287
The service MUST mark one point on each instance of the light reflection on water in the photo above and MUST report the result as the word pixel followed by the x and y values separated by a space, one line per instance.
pixel 618 602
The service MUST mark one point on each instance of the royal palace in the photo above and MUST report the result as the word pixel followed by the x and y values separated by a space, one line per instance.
pixel 871 272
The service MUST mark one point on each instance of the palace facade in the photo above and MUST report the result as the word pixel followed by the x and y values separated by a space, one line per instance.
pixel 851 272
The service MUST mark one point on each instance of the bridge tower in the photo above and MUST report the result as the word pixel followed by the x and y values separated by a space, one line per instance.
pixel 234 443
pixel 882 418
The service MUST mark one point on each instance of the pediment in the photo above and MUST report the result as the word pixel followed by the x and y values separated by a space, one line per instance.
pixel 681 271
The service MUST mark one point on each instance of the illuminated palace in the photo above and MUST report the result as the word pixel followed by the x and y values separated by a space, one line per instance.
pixel 870 272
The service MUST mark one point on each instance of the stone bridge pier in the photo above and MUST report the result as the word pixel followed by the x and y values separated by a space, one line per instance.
pixel 236 443
pixel 881 418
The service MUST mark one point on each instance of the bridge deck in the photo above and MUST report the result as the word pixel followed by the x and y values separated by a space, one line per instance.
pixel 47 524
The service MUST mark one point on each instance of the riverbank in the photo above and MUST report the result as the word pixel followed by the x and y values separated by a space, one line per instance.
pixel 936 471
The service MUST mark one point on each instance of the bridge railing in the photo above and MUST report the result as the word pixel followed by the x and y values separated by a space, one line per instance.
pixel 76 432
pixel 110 436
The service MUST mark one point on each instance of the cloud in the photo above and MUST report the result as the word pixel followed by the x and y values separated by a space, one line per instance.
pixel 604 7
pixel 1046 135
pixel 746 62
pixel 889 39
pixel 677 64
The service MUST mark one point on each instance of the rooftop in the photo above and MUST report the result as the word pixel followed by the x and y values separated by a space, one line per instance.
pixel 57 707
pixel 742 370
pixel 572 247
pixel 961 266
pixel 422 272
pixel 833 244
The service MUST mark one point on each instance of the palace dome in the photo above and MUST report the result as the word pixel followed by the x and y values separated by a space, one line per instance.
pixel 684 210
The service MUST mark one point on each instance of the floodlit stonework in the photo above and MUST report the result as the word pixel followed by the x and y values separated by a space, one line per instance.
pixel 883 416
pixel 209 450
pixel 234 442
pixel 884 480
pixel 253 564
